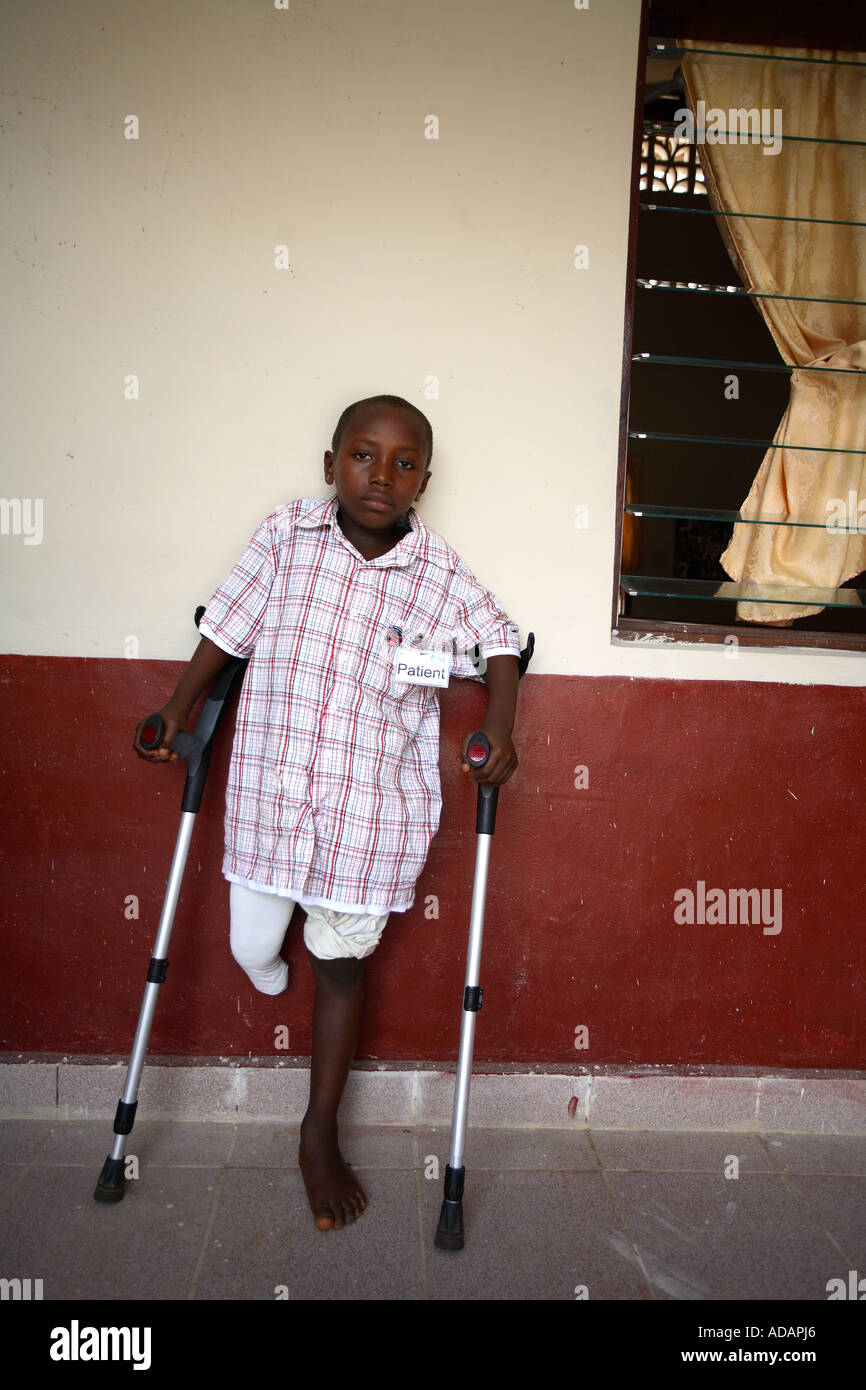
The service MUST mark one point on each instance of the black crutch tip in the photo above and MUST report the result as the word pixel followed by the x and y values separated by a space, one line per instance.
pixel 104 1194
pixel 111 1183
pixel 449 1234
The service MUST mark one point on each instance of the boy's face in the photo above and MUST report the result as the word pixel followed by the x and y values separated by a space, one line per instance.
pixel 379 467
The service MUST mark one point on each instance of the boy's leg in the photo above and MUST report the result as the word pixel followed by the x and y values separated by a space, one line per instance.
pixel 259 922
pixel 337 944
pixel 336 1197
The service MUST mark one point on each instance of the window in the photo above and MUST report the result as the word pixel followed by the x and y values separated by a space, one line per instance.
pixel 705 385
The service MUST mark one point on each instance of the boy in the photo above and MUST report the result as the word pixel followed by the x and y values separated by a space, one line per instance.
pixel 333 794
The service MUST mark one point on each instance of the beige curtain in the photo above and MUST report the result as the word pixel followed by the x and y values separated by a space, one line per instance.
pixel 797 258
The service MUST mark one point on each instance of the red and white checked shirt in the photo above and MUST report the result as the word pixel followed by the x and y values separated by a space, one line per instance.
pixel 333 793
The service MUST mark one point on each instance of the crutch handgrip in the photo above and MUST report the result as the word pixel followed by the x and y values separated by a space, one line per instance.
pixel 477 753
pixel 485 816
pixel 478 749
pixel 195 747
pixel 185 745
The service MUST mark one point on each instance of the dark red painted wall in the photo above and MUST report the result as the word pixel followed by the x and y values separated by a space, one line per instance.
pixel 740 785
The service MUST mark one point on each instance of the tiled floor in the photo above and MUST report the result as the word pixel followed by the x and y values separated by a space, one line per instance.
pixel 219 1212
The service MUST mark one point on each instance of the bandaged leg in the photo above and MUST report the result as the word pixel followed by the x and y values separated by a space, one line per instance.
pixel 335 935
pixel 259 922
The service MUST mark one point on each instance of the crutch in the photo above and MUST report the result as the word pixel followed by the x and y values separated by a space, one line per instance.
pixel 449 1234
pixel 195 749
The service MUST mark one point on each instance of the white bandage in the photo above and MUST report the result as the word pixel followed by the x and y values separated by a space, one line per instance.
pixel 335 935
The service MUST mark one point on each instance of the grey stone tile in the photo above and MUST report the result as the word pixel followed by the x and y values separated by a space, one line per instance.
pixel 539 1214
pixel 687 1151
pixel 673 1102
pixel 281 1094
pixel 156 1143
pixel 22 1139
pixel 839 1204
pixel 85 1091
pixel 821 1105
pixel 704 1238
pixel 531 1236
pixel 188 1092
pixel 263 1144
pixel 28 1088
pixel 533 1150
pixel 165 1091
pixel 379 1098
pixel 273 1093
pixel 841 1154
pixel 538 1100
pixel 11 1176
pixel 264 1237
pixel 146 1246
pixel 379 1146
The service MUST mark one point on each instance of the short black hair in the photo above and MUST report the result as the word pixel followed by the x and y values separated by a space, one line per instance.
pixel 383 400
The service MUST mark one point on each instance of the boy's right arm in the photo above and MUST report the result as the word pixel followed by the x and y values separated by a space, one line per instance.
pixel 208 660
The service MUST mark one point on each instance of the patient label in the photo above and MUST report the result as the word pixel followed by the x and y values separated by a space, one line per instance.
pixel 418 667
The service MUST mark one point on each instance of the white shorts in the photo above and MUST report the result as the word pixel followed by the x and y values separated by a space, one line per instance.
pixel 259 922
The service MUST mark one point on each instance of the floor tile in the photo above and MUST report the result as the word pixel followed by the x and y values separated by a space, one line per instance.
pixel 156 1143
pixel 839 1204
pixel 531 1236
pixel 264 1144
pixel 691 1151
pixel 219 1211
pixel 145 1246
pixel 21 1140
pixel 536 1150
pixel 841 1154
pixel 705 1237
pixel 264 1239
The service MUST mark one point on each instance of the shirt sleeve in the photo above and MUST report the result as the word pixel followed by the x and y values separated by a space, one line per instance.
pixel 233 617
pixel 482 622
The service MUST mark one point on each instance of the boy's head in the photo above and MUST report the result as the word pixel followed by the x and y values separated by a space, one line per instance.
pixel 369 404
pixel 379 460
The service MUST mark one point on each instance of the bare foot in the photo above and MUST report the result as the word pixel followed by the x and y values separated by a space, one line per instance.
pixel 336 1197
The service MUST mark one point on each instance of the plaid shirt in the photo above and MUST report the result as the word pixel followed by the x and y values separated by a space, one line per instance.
pixel 333 793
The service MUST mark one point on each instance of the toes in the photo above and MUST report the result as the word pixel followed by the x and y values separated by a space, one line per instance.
pixel 341 1214
pixel 356 1201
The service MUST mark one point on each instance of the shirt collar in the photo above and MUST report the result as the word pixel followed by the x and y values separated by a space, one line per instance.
pixel 413 544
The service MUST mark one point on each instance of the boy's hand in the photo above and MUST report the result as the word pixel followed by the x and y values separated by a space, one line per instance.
pixel 502 761
pixel 174 719
pixel 501 677
pixel 208 659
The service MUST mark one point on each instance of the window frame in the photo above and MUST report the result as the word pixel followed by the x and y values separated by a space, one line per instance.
pixel 786 23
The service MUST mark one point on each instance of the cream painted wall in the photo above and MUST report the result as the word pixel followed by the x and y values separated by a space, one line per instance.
pixel 409 258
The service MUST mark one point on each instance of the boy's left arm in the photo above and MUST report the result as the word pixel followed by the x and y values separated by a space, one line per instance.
pixel 501 675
